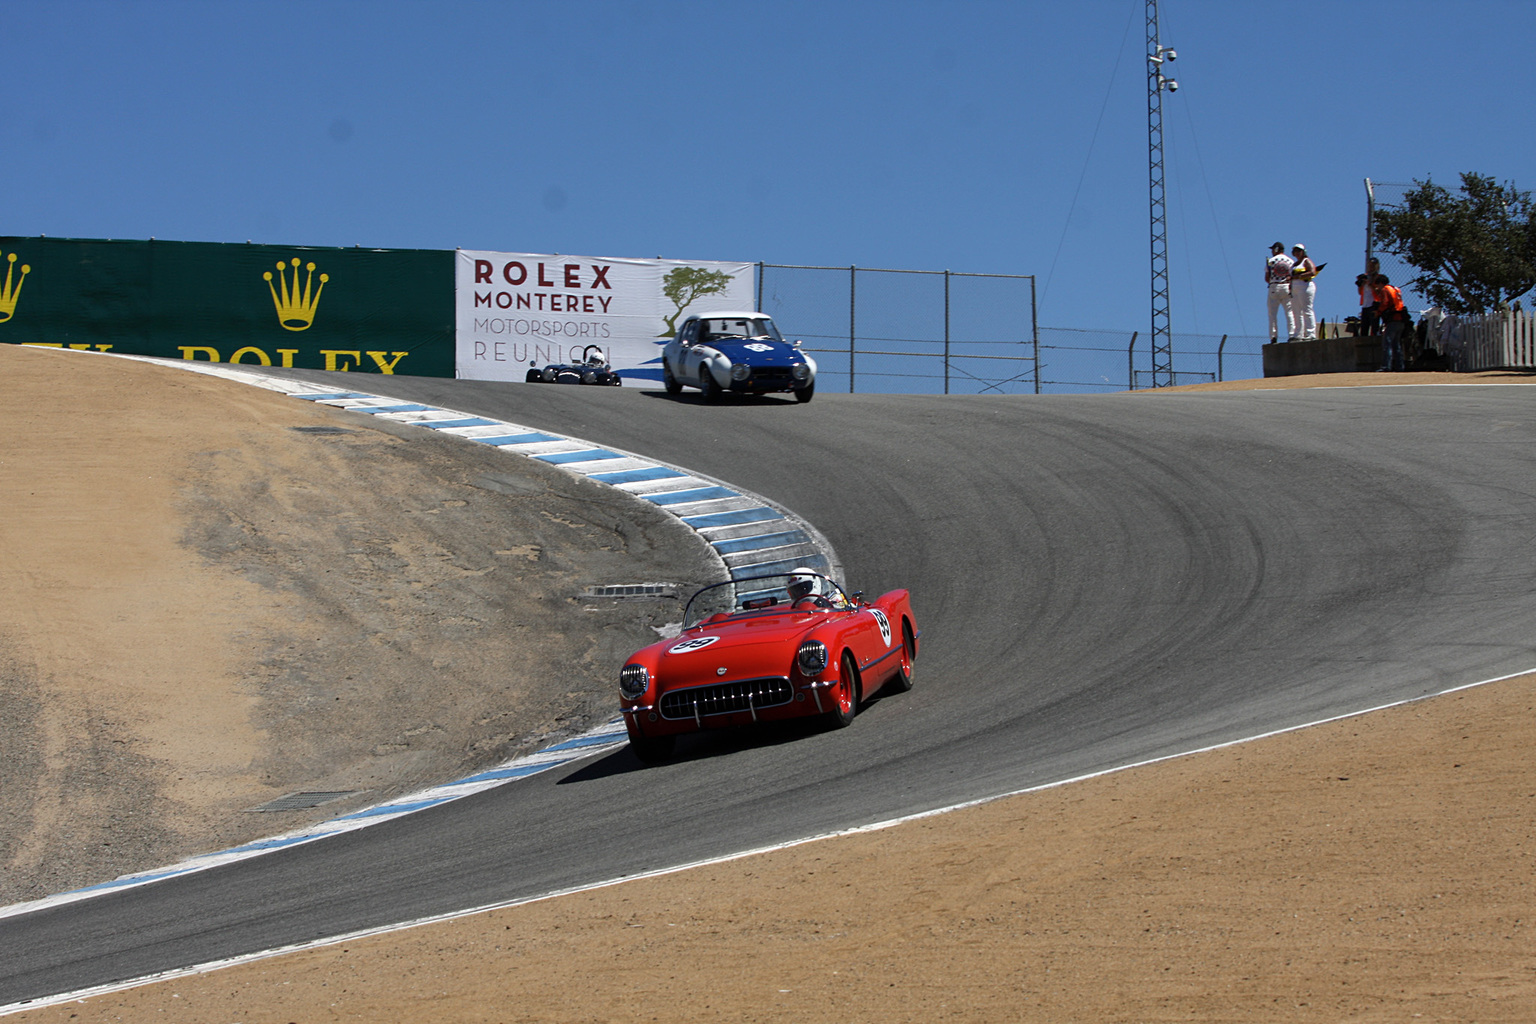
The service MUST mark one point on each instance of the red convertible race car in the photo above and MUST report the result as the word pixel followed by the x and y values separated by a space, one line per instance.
pixel 766 649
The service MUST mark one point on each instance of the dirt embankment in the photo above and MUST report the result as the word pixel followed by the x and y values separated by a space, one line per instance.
pixel 213 595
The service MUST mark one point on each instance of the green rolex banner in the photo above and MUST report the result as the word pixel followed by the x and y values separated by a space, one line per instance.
pixel 371 310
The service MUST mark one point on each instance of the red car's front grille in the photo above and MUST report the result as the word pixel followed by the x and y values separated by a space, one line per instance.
pixel 724 698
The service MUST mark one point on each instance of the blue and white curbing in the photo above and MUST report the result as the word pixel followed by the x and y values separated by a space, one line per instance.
pixel 749 534
pixel 604 739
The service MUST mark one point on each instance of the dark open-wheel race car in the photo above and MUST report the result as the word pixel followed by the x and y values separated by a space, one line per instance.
pixel 767 649
pixel 593 369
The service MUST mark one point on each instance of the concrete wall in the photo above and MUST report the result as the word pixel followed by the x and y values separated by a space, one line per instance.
pixel 1329 355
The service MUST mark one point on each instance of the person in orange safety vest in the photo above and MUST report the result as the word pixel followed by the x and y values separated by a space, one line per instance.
pixel 1395 320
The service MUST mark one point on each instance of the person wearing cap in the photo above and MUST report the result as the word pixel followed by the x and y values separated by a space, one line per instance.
pixel 1277 274
pixel 1303 292
pixel 1395 319
pixel 1366 285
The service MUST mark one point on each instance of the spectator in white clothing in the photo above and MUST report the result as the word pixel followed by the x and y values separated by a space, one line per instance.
pixel 1277 274
pixel 1303 291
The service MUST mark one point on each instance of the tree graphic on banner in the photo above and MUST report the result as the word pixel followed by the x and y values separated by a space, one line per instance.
pixel 687 284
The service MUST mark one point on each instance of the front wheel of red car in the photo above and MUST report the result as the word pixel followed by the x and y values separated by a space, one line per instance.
pixel 653 749
pixel 845 696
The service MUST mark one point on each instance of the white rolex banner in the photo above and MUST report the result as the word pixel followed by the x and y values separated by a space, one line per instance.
pixel 517 309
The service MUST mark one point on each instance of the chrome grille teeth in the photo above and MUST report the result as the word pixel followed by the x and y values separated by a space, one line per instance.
pixel 726 698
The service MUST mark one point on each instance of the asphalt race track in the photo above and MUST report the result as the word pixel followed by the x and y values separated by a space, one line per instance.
pixel 1100 580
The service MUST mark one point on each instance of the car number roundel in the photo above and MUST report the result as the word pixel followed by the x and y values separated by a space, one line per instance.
pixel 885 625
pixel 698 643
pixel 758 346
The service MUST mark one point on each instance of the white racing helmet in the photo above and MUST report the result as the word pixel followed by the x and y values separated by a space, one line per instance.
pixel 803 582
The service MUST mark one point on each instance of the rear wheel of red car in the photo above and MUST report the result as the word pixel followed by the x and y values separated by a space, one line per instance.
pixel 901 682
pixel 653 749
pixel 845 696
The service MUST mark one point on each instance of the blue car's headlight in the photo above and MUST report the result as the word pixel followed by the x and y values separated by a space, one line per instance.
pixel 633 680
pixel 800 371
pixel 740 371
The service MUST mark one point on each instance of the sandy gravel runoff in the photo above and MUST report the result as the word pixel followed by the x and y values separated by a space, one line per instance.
pixel 212 595
pixel 1377 868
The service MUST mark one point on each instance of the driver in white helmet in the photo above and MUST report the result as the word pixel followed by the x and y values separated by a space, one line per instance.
pixel 805 590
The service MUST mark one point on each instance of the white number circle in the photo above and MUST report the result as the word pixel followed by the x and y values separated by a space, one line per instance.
pixel 885 625
pixel 698 643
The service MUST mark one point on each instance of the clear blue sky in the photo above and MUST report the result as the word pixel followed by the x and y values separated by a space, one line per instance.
pixel 886 134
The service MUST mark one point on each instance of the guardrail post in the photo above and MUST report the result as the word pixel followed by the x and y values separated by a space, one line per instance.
pixel 1130 363
pixel 946 331
pixel 1219 349
pixel 853 281
pixel 1034 329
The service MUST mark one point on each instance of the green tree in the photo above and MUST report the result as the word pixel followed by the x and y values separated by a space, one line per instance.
pixel 684 285
pixel 1476 248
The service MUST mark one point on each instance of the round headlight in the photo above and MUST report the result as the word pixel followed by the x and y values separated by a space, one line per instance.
pixel 800 371
pixel 740 371
pixel 812 657
pixel 633 680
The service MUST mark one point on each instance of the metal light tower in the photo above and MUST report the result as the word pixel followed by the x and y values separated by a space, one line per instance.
pixel 1162 338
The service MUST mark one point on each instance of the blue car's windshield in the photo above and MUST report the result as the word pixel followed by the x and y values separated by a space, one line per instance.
pixel 752 328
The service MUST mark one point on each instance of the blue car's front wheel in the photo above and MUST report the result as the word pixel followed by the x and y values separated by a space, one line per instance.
pixel 806 393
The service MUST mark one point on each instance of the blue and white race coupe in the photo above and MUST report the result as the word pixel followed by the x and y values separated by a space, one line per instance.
pixel 737 352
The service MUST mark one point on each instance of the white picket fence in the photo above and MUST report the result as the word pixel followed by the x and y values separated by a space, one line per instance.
pixel 1491 341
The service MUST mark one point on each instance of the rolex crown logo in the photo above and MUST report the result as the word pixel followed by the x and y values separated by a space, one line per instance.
pixel 295 308
pixel 11 293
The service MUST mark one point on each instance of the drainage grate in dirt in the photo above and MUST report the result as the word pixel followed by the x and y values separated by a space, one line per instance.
pixel 304 801
pixel 323 430
pixel 634 590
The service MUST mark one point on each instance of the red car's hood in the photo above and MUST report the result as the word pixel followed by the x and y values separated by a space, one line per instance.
pixel 746 647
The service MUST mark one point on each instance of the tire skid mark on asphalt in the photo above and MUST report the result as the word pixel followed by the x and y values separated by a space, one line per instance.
pixel 701 503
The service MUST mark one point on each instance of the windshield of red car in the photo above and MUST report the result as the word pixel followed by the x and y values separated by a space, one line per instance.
pixel 786 592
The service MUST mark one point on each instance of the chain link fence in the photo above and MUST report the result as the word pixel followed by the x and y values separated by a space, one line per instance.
pixel 908 331
pixel 940 332
pixel 1389 195
pixel 1079 360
